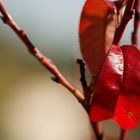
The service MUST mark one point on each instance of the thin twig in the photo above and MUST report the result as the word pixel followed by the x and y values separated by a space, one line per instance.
pixel 128 14
pixel 123 134
pixel 136 22
pixel 86 103
pixel 98 131
pixel 119 4
pixel 95 125
pixel 88 91
pixel 83 77
pixel 47 63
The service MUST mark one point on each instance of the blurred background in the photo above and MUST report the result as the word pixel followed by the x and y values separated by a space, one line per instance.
pixel 32 107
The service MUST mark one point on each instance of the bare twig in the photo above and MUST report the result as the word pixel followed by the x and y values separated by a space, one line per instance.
pixel 86 103
pixel 128 14
pixel 119 4
pixel 98 131
pixel 136 22
pixel 95 125
pixel 88 91
pixel 123 134
pixel 47 63
pixel 83 77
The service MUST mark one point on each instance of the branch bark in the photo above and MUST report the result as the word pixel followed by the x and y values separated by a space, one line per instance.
pixel 88 91
pixel 136 23
pixel 47 63
pixel 128 14
pixel 98 131
pixel 123 134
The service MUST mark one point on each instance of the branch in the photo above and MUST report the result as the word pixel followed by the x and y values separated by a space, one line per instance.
pixel 86 103
pixel 98 131
pixel 82 72
pixel 88 91
pixel 47 63
pixel 119 4
pixel 136 22
pixel 123 134
pixel 128 14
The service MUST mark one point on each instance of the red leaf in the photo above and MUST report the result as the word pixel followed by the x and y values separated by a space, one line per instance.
pixel 117 92
pixel 127 113
pixel 97 27
pixel 107 86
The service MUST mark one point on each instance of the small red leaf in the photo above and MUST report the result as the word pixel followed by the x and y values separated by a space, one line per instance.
pixel 97 28
pixel 107 86
pixel 127 113
pixel 117 92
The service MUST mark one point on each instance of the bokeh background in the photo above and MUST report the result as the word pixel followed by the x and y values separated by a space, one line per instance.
pixel 32 107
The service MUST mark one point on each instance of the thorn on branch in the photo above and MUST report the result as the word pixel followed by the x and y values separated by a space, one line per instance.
pixel 3 19
pixel 55 79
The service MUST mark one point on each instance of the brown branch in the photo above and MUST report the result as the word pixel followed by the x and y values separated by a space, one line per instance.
pixel 98 131
pixel 83 77
pixel 95 125
pixel 128 14
pixel 47 63
pixel 119 4
pixel 88 91
pixel 123 134
pixel 136 22
pixel 86 103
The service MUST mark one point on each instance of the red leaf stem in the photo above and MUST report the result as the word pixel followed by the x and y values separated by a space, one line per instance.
pixel 128 14
pixel 123 134
pixel 119 4
pixel 136 22
pixel 98 131
pixel 47 63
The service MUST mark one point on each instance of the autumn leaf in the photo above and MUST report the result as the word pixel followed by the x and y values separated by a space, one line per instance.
pixel 117 92
pixel 97 28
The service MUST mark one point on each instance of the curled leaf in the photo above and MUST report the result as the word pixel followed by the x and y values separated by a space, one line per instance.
pixel 127 112
pixel 107 86
pixel 97 28
pixel 117 92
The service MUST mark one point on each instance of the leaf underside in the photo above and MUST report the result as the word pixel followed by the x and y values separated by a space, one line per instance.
pixel 97 28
